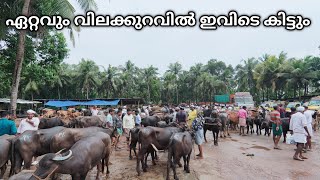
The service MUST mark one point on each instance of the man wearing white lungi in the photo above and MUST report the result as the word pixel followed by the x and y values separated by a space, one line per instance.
pixel 298 125
pixel 308 114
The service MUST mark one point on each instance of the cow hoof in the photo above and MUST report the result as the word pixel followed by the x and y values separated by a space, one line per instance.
pixel 220 136
pixel 130 158
pixel 154 163
pixel 187 171
pixel 179 164
pixel 144 170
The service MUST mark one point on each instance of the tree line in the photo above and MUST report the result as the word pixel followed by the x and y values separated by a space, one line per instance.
pixel 46 75
pixel 32 66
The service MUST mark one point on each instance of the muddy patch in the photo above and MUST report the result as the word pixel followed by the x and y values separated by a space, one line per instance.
pixel 260 147
pixel 234 140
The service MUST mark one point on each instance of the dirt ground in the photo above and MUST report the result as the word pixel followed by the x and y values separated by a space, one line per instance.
pixel 229 160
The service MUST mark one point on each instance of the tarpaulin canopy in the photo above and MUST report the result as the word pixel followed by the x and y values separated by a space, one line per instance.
pixel 101 103
pixel 62 103
pixel 77 103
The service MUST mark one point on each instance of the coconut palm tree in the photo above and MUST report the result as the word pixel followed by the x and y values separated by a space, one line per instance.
pixel 149 74
pixel 36 7
pixel 88 76
pixel 175 69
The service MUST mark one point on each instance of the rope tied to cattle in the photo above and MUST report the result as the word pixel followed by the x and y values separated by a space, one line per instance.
pixel 39 178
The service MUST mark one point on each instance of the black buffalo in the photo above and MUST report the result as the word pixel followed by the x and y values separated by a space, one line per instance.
pixel 180 146
pixel 46 123
pixel 30 144
pixel 86 153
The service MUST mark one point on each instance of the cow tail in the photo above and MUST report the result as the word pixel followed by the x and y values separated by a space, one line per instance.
pixel 103 162
pixel 12 157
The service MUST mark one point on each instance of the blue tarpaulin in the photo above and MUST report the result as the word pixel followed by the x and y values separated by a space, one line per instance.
pixel 101 103
pixel 77 103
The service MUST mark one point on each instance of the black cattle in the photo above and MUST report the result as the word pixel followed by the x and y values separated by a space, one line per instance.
pixel 46 123
pixel 5 145
pixel 134 137
pixel 150 121
pixel 224 124
pixel 249 123
pixel 88 121
pixel 30 144
pixel 212 124
pixel 153 139
pixel 66 138
pixel 23 175
pixel 86 154
pixel 267 126
pixel 285 127
pixel 258 122
pixel 180 146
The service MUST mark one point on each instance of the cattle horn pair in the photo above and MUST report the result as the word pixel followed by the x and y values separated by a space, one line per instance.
pixel 62 158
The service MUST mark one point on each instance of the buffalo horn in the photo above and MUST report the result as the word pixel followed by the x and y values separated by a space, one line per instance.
pixel 154 147
pixel 60 151
pixel 62 158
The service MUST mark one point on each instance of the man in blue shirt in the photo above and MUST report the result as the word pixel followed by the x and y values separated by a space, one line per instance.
pixel 7 126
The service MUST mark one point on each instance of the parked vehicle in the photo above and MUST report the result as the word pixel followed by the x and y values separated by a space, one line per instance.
pixel 243 99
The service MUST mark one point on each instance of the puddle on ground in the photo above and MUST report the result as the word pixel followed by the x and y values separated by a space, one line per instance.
pixel 260 147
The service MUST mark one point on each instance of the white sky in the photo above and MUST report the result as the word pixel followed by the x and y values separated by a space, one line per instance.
pixel 162 46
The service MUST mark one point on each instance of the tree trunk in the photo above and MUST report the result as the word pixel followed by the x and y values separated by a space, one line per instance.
pixel 87 93
pixel 59 92
pixel 149 92
pixel 18 63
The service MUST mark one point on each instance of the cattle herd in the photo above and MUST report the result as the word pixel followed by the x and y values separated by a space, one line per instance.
pixel 72 143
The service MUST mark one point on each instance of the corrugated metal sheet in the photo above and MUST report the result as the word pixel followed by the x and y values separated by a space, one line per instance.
pixel 19 101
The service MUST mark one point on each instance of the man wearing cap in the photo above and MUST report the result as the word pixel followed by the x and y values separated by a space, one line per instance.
pixel 7 126
pixel 30 123
pixel 298 125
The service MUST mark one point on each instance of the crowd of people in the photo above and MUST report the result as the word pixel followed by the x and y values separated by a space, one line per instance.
pixel 124 119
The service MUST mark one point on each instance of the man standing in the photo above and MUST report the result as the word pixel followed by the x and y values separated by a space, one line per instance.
pixel 181 117
pixel 192 115
pixel 242 114
pixel 308 114
pixel 298 124
pixel 138 119
pixel 197 126
pixel 7 126
pixel 94 111
pixel 110 118
pixel 282 111
pixel 128 124
pixel 276 126
pixel 30 123
pixel 176 110
pixel 117 122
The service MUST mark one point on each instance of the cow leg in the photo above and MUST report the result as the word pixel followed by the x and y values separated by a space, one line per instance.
pixel 184 162
pixel 156 155
pixel 139 158
pixel 107 162
pixel 145 161
pixel 3 170
pixel 204 134
pixel 99 169
pixel 175 160
pixel 153 154
pixel 130 155
pixel 169 163
pixel 247 129
pixel 216 143
pixel 188 160
pixel 27 161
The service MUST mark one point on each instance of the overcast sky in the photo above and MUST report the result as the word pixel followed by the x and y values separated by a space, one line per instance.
pixel 162 46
